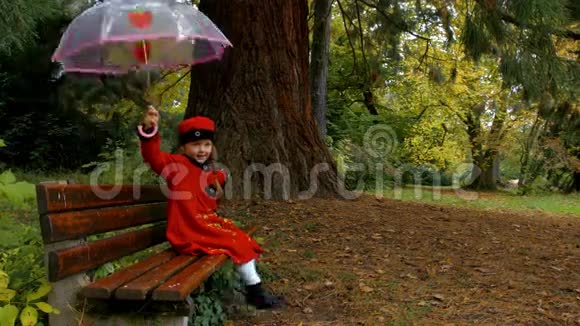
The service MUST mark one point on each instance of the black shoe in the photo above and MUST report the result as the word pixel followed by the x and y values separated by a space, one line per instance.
pixel 261 299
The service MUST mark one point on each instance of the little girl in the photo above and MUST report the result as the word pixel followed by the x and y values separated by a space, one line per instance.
pixel 193 227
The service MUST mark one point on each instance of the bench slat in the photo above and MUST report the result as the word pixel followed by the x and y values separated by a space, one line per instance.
pixel 70 261
pixel 182 284
pixel 140 287
pixel 54 198
pixel 104 288
pixel 178 287
pixel 77 224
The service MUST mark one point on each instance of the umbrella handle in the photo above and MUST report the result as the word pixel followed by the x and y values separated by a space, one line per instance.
pixel 147 135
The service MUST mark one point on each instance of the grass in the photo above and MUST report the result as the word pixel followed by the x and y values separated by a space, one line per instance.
pixel 500 200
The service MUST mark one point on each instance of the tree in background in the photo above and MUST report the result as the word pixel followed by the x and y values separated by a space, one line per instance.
pixel 524 39
pixel 319 55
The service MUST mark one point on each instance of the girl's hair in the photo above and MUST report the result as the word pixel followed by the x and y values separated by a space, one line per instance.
pixel 214 154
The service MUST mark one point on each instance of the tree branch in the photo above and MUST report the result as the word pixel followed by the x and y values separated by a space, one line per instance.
pixel 463 119
pixel 402 28
pixel 424 55
pixel 344 16
pixel 568 33
pixel 362 44
pixel 175 83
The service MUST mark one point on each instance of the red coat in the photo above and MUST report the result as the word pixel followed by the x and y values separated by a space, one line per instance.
pixel 193 227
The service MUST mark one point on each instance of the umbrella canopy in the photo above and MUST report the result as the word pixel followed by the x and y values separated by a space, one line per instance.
pixel 118 36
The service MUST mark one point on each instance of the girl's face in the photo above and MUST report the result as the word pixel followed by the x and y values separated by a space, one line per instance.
pixel 199 150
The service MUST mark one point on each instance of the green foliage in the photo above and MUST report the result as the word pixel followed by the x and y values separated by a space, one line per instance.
pixel 18 194
pixel 20 20
pixel 209 311
pixel 476 39
pixel 209 308
pixel 23 285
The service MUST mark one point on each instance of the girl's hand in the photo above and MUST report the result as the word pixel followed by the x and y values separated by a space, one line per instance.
pixel 151 118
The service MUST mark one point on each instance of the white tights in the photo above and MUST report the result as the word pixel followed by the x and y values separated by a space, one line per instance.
pixel 248 273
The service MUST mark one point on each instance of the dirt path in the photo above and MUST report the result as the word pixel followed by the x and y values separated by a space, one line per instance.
pixel 388 262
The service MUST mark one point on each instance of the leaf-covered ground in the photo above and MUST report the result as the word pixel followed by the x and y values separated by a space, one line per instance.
pixel 388 262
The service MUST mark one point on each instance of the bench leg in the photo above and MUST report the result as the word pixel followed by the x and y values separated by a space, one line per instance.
pixel 64 294
pixel 64 297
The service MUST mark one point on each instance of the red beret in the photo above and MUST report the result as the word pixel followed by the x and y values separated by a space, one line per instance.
pixel 196 123
pixel 194 129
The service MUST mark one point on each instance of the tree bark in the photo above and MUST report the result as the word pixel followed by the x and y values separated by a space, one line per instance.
pixel 485 155
pixel 369 100
pixel 487 168
pixel 259 97
pixel 319 61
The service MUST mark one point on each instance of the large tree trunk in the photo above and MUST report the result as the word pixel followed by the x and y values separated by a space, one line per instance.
pixel 487 171
pixel 259 97
pixel 485 155
pixel 319 61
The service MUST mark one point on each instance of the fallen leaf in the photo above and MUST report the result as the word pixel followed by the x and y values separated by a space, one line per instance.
pixel 439 297
pixel 422 303
pixel 380 271
pixel 445 268
pixel 309 287
pixel 411 276
pixel 484 270
pixel 365 288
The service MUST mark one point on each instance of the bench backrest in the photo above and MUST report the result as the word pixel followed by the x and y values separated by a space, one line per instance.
pixel 76 211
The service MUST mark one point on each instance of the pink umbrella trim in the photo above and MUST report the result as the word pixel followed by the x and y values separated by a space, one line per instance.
pixel 111 70
pixel 151 37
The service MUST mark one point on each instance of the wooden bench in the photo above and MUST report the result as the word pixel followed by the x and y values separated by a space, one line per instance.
pixel 158 286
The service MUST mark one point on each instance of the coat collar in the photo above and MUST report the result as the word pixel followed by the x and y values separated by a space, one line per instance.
pixel 205 166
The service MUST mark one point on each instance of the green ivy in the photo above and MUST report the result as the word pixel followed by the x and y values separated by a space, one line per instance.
pixel 209 309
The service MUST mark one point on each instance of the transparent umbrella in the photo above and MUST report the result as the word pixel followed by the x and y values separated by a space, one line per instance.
pixel 115 37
